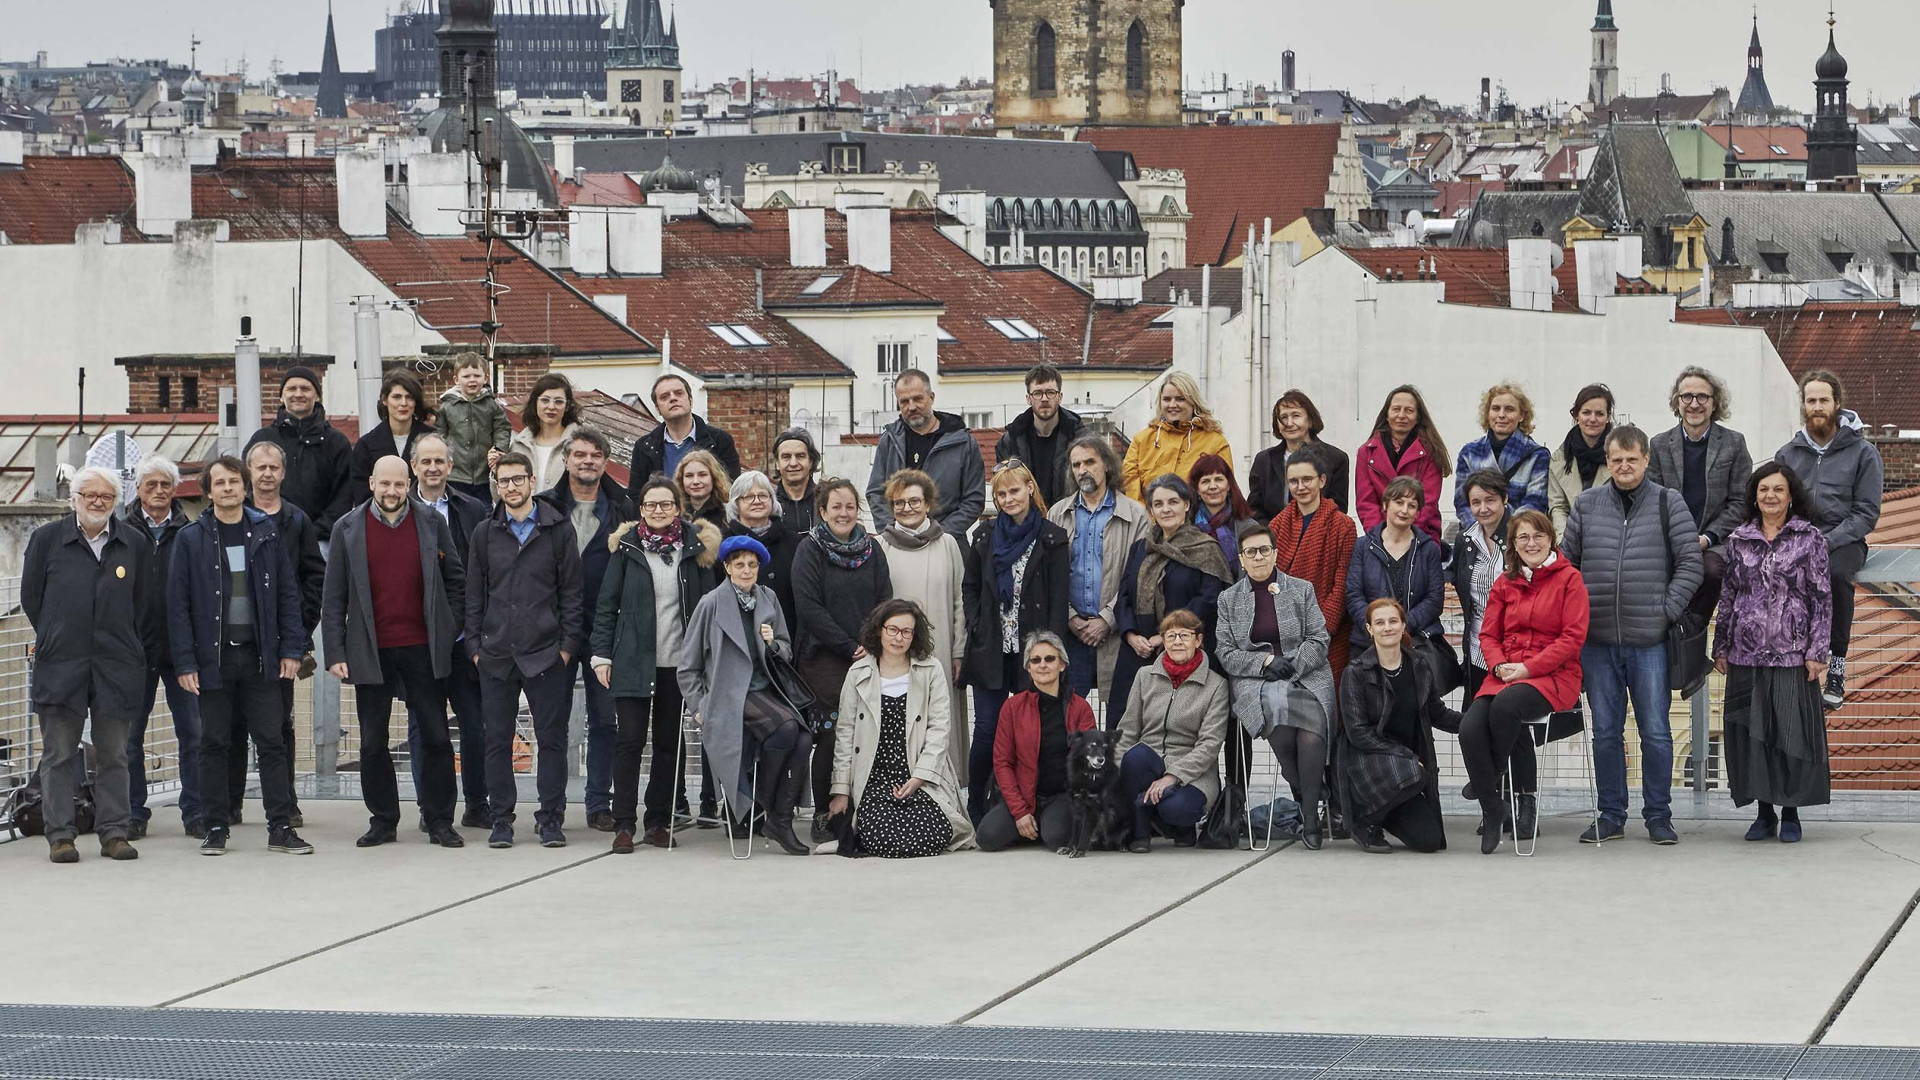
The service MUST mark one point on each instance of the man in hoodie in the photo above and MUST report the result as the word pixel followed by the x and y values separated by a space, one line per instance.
pixel 1843 473
pixel 319 459
pixel 472 421
pixel 937 444
pixel 660 450
pixel 796 462
pixel 155 515
pixel 1039 437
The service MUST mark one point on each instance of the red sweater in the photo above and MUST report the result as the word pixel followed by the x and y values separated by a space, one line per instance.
pixel 1016 746
pixel 1320 559
pixel 1540 623
pixel 399 588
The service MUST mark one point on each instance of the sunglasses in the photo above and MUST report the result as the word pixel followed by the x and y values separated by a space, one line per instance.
pixel 1044 658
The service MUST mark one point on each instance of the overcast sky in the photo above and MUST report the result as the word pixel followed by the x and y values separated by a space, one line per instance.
pixel 1377 48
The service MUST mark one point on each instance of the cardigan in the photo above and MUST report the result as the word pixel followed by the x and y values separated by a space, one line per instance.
pixel 1321 559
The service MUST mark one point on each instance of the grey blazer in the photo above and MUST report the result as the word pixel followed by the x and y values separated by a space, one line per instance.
pixel 346 606
pixel 1729 467
pixel 1298 613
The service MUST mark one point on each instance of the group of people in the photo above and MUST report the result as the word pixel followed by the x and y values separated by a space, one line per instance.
pixel 826 664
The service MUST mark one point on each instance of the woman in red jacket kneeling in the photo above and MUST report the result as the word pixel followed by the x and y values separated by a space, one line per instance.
pixel 1030 753
pixel 1531 634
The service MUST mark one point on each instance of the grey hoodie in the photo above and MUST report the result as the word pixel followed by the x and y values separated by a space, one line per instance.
pixel 955 464
pixel 1844 480
pixel 471 426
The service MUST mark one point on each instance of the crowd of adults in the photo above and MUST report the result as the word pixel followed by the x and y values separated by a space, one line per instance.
pixel 460 564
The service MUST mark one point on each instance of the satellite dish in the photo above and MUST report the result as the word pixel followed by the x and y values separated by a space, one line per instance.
pixel 117 453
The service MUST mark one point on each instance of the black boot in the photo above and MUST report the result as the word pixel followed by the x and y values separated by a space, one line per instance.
pixel 1489 831
pixel 1527 822
pixel 779 822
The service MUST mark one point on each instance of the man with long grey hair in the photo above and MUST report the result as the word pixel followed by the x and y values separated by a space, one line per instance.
pixel 1101 525
pixel 85 587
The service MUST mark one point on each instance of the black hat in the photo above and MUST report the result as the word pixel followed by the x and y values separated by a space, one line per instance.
pixel 299 371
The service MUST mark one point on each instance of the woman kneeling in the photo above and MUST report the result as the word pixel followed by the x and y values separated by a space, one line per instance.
pixel 1170 736
pixel 1389 706
pixel 1030 745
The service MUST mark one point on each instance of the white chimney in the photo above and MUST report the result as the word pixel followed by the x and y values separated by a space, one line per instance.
pixel 614 304
pixel 563 156
pixel 13 147
pixel 162 194
pixel 437 193
pixel 587 236
pixel 1631 248
pixel 870 238
pixel 360 187
pixel 1530 274
pixel 1118 290
pixel 633 239
pixel 300 144
pixel 807 236
pixel 1910 291
pixel 96 233
pixel 1596 267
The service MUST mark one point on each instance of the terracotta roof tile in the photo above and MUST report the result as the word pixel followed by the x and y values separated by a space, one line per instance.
pixel 1757 143
pixel 1236 176
pixel 44 200
pixel 1473 276
pixel 600 189
pixel 856 286
pixel 1873 346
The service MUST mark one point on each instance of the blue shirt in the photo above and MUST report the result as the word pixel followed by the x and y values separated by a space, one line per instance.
pixel 1088 553
pixel 522 530
pixel 674 451
pixel 440 506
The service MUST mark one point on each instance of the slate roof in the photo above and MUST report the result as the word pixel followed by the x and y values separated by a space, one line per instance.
pixel 1874 346
pixel 1634 181
pixel 1225 287
pixel 1236 176
pixel 999 167
pixel 1892 145
pixel 1662 107
pixel 1498 216
pixel 1807 224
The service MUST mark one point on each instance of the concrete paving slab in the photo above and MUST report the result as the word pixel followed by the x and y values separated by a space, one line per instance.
pixel 1883 1011
pixel 1716 939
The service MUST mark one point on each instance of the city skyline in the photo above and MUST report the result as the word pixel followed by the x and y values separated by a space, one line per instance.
pixel 1540 60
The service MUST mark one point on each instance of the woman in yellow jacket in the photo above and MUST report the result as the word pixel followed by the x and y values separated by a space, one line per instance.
pixel 1184 430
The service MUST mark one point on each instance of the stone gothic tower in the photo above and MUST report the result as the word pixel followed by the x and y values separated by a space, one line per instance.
pixel 1603 77
pixel 1076 63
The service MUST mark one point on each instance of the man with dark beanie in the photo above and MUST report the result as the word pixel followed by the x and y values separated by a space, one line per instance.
pixel 319 459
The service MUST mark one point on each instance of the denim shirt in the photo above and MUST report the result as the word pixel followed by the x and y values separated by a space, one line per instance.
pixel 1088 554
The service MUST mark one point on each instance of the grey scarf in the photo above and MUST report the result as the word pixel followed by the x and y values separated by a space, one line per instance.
pixel 748 599
pixel 906 539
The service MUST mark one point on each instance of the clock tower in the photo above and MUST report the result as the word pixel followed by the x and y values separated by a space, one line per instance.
pixel 643 67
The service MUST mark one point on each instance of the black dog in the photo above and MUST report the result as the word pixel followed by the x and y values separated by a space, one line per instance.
pixel 1093 783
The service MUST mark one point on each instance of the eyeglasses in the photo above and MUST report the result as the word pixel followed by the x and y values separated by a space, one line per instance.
pixel 95 497
pixel 1007 463
pixel 1043 395
pixel 898 633
pixel 657 505
pixel 1044 658
pixel 915 503
pixel 755 496
pixel 1256 553
pixel 1173 636
pixel 512 481
pixel 1696 399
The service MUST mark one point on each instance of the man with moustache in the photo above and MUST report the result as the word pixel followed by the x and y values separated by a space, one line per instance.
pixel 1708 464
pixel 1843 474
pixel 795 461
pixel 936 443
pixel 155 514
pixel 433 485
pixel 1101 525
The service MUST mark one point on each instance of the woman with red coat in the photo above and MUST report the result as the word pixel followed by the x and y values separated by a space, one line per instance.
pixel 1404 443
pixel 1531 635
pixel 1313 541
pixel 1030 753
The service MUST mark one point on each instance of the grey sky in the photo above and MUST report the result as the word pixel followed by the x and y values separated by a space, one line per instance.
pixel 1378 48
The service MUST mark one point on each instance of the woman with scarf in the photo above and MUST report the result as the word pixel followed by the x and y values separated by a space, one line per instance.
pixel 1581 457
pixel 662 566
pixel 1404 443
pixel 1507 447
pixel 1219 509
pixel 753 509
pixel 1184 430
pixel 1174 567
pixel 1313 541
pixel 1016 583
pixel 1297 424
pixel 749 729
pixel 703 482
pixel 839 575
pixel 1170 735
pixel 929 567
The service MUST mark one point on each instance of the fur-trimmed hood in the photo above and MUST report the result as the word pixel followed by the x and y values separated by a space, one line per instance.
pixel 702 532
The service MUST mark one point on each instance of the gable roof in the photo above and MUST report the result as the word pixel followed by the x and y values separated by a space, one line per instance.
pixel 1236 176
pixel 46 198
pixel 1807 226
pixel 1757 143
pixel 1874 347
pixel 1634 183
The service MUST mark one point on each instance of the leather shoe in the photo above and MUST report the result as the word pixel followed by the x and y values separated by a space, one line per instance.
pixel 62 851
pixel 659 837
pixel 444 836
pixel 136 829
pixel 476 817
pixel 1489 832
pixel 1790 832
pixel 623 842
pixel 1310 839
pixel 600 821
pixel 1372 841
pixel 376 836
pixel 118 850
pixel 1762 828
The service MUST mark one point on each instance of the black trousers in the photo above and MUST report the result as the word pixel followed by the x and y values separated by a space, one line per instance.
pixel 247 703
pixel 1054 815
pixel 410 668
pixel 550 696
pixel 1417 823
pixel 1526 764
pixel 1846 562
pixel 237 759
pixel 1492 729
pixel 633 717
pixel 463 698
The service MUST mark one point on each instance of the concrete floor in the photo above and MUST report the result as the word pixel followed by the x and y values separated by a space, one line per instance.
pixel 1715 940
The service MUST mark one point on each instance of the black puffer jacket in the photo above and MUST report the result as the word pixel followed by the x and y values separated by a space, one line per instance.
pixel 319 466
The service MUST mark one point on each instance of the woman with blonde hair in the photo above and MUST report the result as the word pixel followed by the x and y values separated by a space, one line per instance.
pixel 703 481
pixel 1183 429
pixel 929 567
pixel 1506 415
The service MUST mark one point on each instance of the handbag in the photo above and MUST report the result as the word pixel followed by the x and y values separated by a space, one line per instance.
pixel 786 679
pixel 1225 822
pixel 1448 675
pixel 1686 639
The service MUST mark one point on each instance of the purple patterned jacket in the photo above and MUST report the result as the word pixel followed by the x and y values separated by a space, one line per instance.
pixel 1776 604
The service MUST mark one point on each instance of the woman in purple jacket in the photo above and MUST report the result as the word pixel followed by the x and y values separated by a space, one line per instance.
pixel 1771 643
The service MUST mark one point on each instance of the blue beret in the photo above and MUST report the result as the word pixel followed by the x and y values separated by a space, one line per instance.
pixel 744 543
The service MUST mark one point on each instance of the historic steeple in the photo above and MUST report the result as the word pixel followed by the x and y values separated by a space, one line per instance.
pixel 332 102
pixel 1755 102
pixel 645 40
pixel 1603 77
pixel 467 37
pixel 1831 149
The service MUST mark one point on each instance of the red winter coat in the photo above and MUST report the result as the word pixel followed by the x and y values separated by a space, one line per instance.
pixel 1320 559
pixel 1373 470
pixel 1540 623
pixel 1016 746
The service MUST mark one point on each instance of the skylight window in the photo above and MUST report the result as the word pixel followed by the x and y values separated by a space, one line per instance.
pixel 1778 149
pixel 738 336
pixel 941 335
pixel 1026 329
pixel 821 285
pixel 1165 319
pixel 1015 329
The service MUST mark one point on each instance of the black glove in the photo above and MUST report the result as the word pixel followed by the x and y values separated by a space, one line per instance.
pixel 1279 669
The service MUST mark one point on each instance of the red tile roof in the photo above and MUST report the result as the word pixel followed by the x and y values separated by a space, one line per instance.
pixel 44 200
pixel 1458 195
pixel 857 287
pixel 1473 276
pixel 600 189
pixel 1874 347
pixel 1756 143
pixel 1236 176
pixel 270 198
pixel 1874 740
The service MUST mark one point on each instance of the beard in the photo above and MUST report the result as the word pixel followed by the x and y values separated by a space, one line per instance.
pixel 1819 422
pixel 1087 483
pixel 92 520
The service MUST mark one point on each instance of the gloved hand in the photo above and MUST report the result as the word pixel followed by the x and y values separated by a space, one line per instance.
pixel 1280 668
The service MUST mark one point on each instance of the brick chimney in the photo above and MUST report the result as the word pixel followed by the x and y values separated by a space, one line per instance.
pixel 168 383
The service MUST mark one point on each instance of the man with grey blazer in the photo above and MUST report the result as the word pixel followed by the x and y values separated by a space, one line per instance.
pixel 387 618
pixel 1708 464
pixel 1101 526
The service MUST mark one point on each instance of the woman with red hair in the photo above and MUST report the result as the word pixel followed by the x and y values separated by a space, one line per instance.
pixel 1219 508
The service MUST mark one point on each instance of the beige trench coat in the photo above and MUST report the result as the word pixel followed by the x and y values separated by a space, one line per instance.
pixel 929 722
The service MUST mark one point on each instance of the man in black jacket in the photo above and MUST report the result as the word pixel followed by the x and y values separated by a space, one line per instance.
pixel 796 462
pixel 235 630
pixel 266 474
pixel 1039 437
pixel 156 516
pixel 524 620
pixel 432 473
pixel 84 587
pixel 393 588
pixel 660 450
pixel 318 458
pixel 596 506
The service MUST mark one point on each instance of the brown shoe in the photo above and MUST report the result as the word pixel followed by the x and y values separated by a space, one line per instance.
pixel 118 850
pixel 623 842
pixel 659 837
pixel 62 851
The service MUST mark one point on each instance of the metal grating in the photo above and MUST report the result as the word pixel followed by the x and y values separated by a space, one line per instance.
pixel 195 1044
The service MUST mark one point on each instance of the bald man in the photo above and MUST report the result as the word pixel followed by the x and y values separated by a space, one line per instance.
pixel 394 584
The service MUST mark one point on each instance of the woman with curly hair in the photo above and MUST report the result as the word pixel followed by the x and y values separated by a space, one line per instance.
pixel 1506 415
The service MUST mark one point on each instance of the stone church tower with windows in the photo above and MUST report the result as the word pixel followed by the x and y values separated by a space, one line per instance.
pixel 1078 63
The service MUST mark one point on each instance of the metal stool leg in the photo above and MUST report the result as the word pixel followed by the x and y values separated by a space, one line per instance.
pixel 679 778
pixel 1513 801
pixel 735 846
pixel 1273 794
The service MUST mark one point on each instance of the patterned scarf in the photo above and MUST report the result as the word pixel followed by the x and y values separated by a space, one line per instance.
pixel 747 598
pixel 660 542
pixel 1010 541
pixel 1189 547
pixel 851 555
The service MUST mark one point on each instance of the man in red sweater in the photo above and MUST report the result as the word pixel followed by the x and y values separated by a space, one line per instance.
pixel 392 587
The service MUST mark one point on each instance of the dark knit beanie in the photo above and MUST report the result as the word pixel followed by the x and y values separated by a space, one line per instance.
pixel 300 371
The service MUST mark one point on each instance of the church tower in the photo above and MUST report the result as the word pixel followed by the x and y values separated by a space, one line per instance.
pixel 1831 149
pixel 332 103
pixel 643 67
pixel 1603 78
pixel 1076 63
pixel 1756 103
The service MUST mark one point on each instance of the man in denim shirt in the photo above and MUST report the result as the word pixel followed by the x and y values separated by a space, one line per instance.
pixel 1101 525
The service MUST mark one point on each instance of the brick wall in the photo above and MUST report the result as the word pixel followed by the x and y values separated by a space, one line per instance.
pixel 753 416
pixel 1901 459
pixel 205 378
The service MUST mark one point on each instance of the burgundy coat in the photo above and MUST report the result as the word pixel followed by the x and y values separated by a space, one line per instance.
pixel 1373 470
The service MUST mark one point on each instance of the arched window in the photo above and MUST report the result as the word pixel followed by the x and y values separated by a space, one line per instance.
pixel 1057 215
pixel 1136 57
pixel 1043 59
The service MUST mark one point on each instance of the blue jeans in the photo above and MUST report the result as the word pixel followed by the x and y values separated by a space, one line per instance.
pixel 1083 666
pixel 1612 673
pixel 1181 807
pixel 185 708
pixel 603 729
